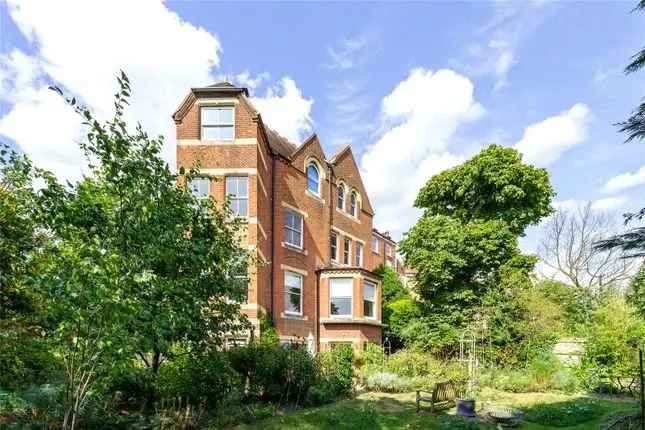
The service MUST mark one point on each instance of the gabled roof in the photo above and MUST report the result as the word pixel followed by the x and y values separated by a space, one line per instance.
pixel 280 144
pixel 337 155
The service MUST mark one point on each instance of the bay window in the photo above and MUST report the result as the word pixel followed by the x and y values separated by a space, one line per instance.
pixel 369 300
pixel 340 296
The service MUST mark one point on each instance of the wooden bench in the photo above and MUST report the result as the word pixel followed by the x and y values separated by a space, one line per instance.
pixel 442 395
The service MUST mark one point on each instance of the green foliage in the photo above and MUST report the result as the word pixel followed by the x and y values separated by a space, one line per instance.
pixel 465 247
pixel 493 185
pixel 401 313
pixel 636 291
pixel 337 369
pixel 392 291
pixel 206 379
pixel 450 254
pixel 565 414
pixel 613 337
pixel 391 284
pixel 274 373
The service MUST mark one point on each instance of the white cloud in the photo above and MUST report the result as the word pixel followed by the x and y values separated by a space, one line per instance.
pixel 349 55
pixel 625 180
pixel 284 109
pixel 544 142
pixel 422 114
pixel 83 52
pixel 244 79
pixel 498 41
pixel 609 203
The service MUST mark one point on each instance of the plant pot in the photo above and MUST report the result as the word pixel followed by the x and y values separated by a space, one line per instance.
pixel 466 407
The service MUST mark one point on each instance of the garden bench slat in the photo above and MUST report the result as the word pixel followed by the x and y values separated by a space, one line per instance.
pixel 443 394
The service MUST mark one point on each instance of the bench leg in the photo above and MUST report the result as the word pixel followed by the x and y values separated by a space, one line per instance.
pixel 418 407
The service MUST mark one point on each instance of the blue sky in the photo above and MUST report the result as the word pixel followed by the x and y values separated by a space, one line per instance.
pixel 414 87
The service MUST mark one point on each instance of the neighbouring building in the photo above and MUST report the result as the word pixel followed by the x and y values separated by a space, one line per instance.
pixel 309 220
pixel 384 250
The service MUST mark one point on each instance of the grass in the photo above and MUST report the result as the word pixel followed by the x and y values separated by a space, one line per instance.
pixel 397 411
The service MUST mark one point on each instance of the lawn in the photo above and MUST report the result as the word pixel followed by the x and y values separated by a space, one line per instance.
pixel 397 411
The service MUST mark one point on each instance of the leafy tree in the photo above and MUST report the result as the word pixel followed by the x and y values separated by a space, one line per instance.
pixel 23 353
pixel 392 291
pixel 138 265
pixel 391 284
pixel 494 185
pixel 634 126
pixel 633 241
pixel 464 247
pixel 636 291
pixel 613 336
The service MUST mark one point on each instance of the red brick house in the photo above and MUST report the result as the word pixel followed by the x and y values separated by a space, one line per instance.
pixel 309 219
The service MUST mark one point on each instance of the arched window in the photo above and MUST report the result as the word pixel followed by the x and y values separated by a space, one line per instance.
pixel 353 203
pixel 313 178
pixel 341 196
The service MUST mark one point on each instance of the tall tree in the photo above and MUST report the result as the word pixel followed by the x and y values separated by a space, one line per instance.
pixel 568 248
pixel 633 241
pixel 139 265
pixel 465 243
pixel 634 126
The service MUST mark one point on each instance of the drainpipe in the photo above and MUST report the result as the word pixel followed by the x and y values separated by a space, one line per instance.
pixel 273 240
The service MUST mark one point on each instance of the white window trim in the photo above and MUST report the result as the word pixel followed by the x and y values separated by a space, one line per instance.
pixel 226 194
pixel 341 185
pixel 334 260
pixel 357 206
pixel 374 238
pixel 302 281
pixel 358 245
pixel 373 301
pixel 208 193
pixel 201 122
pixel 302 231
pixel 318 192
pixel 349 251
pixel 351 306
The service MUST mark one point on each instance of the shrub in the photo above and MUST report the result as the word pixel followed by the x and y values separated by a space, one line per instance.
pixel 274 373
pixel 207 379
pixel 321 393
pixel 336 368
pixel 387 383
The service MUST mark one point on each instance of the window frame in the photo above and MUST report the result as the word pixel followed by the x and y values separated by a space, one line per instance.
pixel 353 203
pixel 375 241
pixel 313 164
pixel 373 301
pixel 358 254
pixel 207 179
pixel 333 246
pixel 340 200
pixel 331 297
pixel 286 293
pixel 237 198
pixel 347 251
pixel 302 229
pixel 219 125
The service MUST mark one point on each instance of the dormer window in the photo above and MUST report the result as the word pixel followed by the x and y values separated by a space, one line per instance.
pixel 218 123
pixel 341 196
pixel 313 178
pixel 353 204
